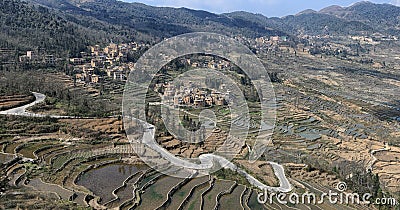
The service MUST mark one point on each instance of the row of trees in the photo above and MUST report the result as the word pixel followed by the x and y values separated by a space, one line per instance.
pixel 190 124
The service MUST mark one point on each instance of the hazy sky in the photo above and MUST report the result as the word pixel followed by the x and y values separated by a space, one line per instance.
pixel 269 8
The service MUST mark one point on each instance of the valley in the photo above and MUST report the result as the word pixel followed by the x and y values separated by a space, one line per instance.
pixel 68 142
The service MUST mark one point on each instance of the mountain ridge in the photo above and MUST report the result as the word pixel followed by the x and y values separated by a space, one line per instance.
pixel 355 18
pixel 117 20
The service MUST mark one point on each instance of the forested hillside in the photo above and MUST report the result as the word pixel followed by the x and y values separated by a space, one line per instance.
pixel 26 26
pixel 384 17
pixel 159 21
pixel 68 26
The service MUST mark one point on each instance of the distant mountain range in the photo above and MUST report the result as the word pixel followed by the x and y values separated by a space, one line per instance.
pixel 47 23
pixel 381 17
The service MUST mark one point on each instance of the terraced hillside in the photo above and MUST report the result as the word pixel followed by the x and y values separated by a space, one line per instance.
pixel 109 176
pixel 337 121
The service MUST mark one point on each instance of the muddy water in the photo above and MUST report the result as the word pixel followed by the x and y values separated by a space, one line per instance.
pixel 103 180
pixel 46 187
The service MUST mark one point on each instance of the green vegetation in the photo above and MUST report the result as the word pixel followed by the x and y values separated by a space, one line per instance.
pixel 31 26
pixel 154 194
pixel 227 174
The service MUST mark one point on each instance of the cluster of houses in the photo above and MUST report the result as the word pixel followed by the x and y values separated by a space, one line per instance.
pixel 35 57
pixel 271 40
pixel 111 61
pixel 188 95
pixel 270 43
pixel 264 40
pixel 211 64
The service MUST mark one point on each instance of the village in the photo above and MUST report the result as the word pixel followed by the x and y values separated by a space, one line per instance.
pixel 115 61
pixel 112 61
pixel 190 96
pixel 37 57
